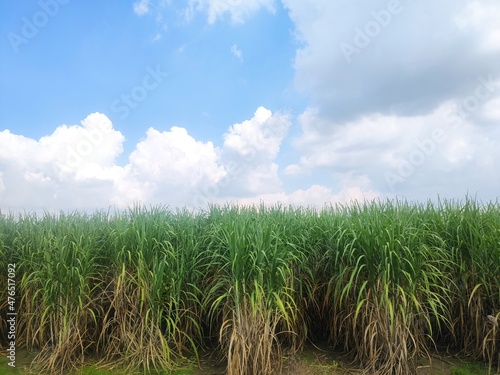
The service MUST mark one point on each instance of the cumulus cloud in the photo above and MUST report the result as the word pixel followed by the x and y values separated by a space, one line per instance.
pixel 76 167
pixel 174 165
pixel 417 156
pixel 251 148
pixel 371 157
pixel 261 135
pixel 71 163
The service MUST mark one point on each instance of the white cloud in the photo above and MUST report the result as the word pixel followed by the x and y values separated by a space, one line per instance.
pixel 481 18
pixel 410 156
pixel 491 110
pixel 174 164
pixel 2 186
pixel 398 65
pixel 261 135
pixel 171 167
pixel 239 10
pixel 141 7
pixel 375 107
pixel 76 167
pixel 237 52
pixel 62 169
pixel 251 147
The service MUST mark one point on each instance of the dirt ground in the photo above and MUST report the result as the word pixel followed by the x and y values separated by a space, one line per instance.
pixel 320 361
pixel 312 361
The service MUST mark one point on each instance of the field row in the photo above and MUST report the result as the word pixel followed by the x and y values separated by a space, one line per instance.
pixel 384 282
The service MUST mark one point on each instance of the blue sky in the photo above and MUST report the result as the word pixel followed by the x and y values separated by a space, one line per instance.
pixel 91 53
pixel 302 102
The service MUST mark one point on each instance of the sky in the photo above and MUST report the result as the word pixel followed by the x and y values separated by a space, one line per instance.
pixel 184 103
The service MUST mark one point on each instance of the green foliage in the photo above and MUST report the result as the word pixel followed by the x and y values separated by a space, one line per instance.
pixel 469 369
pixel 384 282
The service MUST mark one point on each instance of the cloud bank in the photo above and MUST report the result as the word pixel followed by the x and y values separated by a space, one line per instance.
pixel 404 95
pixel 75 167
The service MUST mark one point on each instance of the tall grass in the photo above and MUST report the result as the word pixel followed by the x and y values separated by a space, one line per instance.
pixel 385 282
